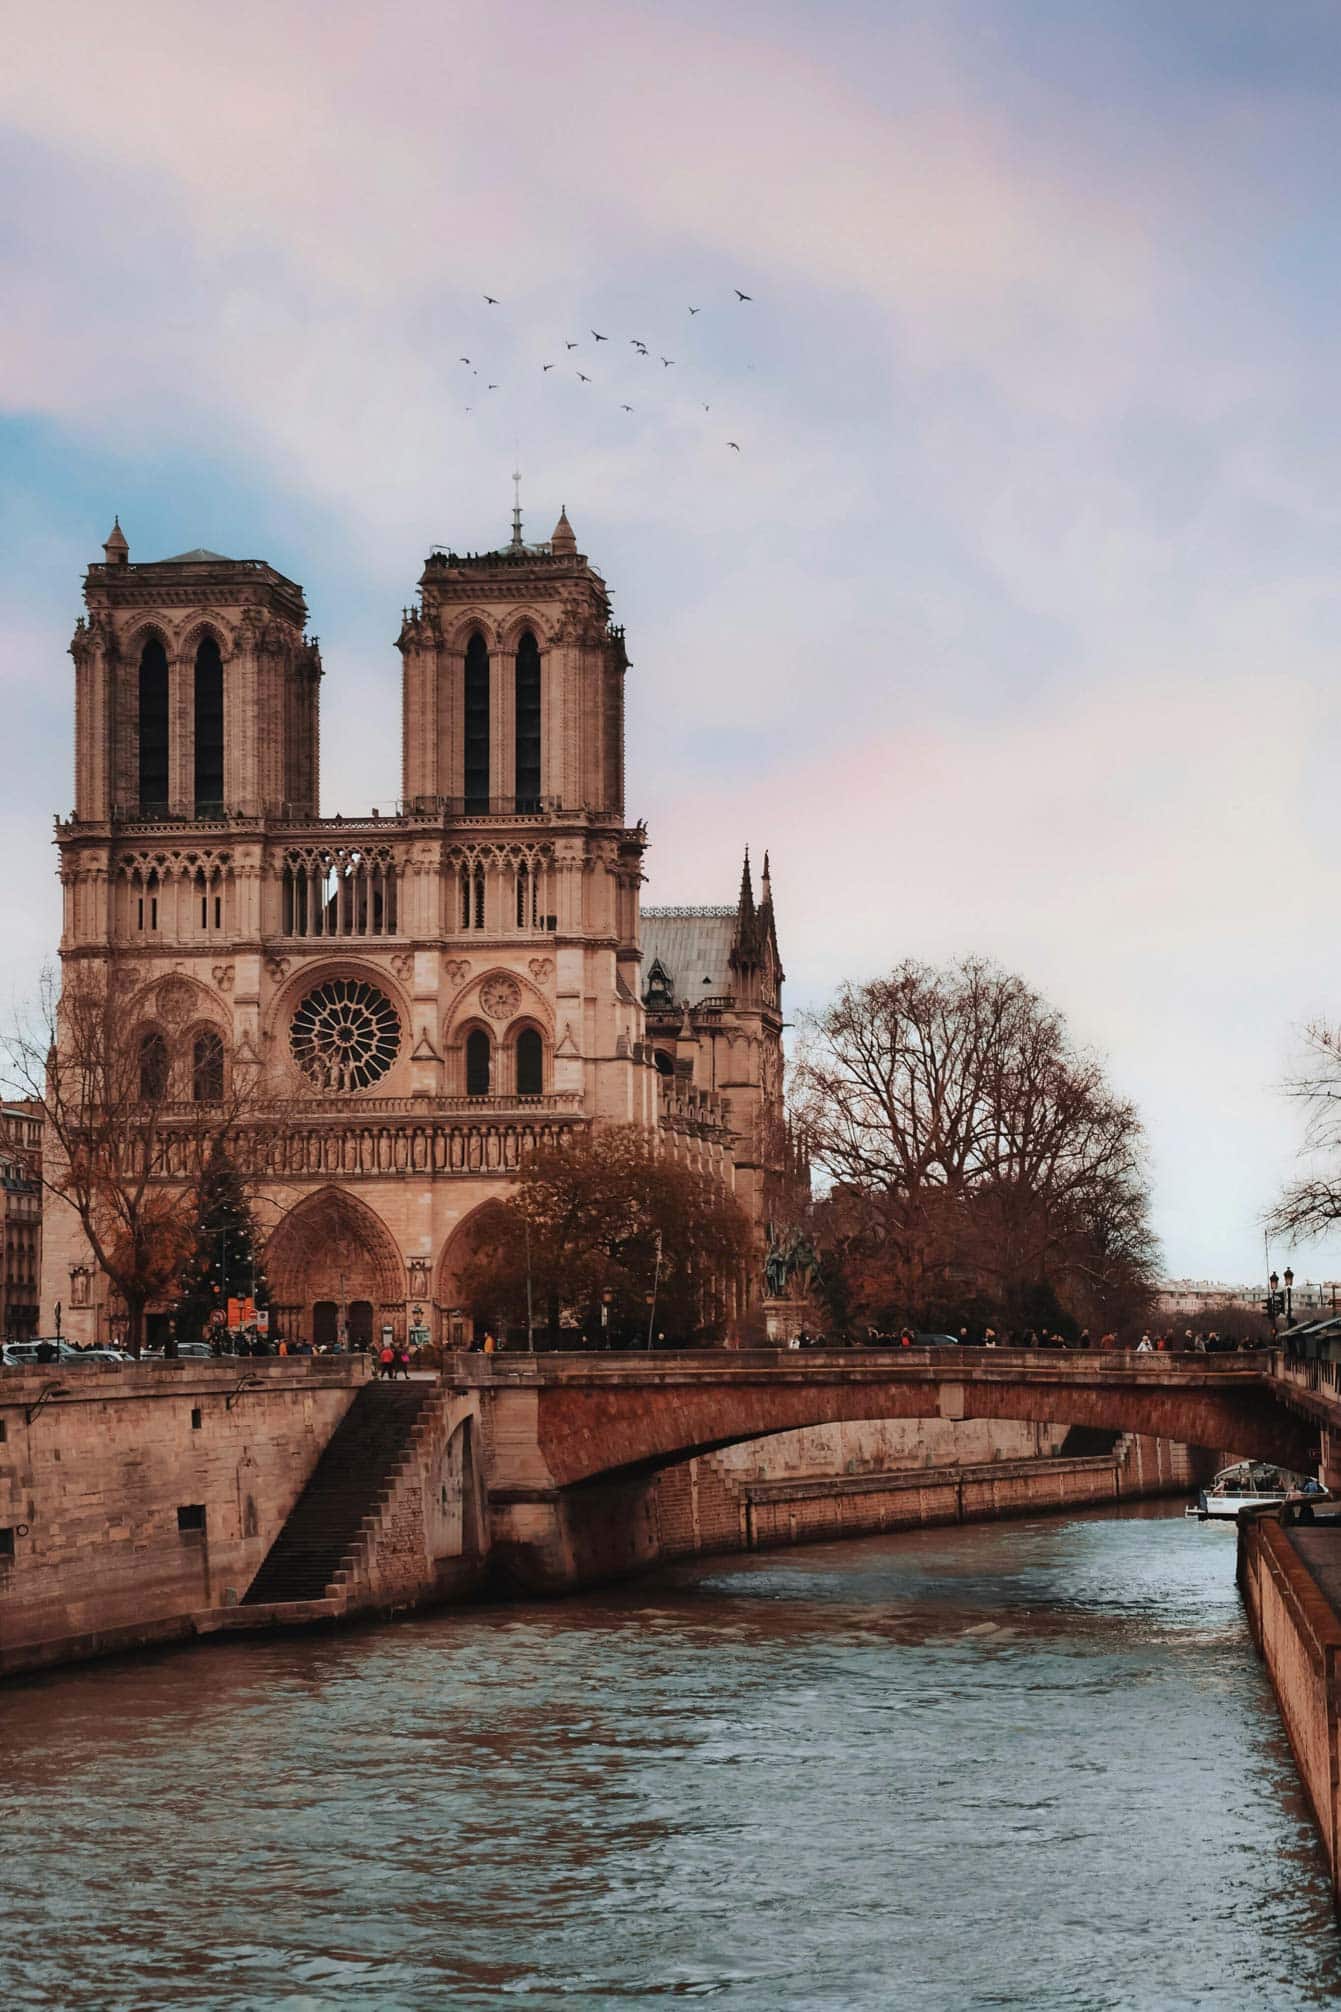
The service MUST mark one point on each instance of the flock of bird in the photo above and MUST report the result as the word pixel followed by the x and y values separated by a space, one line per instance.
pixel 584 377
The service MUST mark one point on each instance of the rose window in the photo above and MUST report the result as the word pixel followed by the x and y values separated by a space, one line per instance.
pixel 345 1034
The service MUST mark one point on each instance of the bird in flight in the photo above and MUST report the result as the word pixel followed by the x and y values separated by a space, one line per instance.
pixel 463 359
pixel 735 444
pixel 742 296
pixel 707 408
pixel 547 366
pixel 668 361
pixel 491 387
pixel 600 338
pixel 492 302
pixel 626 408
pixel 570 345
pixel 585 380
pixel 695 310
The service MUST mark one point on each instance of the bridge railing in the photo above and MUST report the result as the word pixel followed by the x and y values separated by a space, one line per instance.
pixel 1320 1376
pixel 1040 1364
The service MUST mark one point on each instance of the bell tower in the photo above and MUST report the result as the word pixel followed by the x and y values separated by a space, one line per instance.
pixel 195 690
pixel 514 682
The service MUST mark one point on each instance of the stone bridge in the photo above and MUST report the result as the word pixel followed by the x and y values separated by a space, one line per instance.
pixel 572 1441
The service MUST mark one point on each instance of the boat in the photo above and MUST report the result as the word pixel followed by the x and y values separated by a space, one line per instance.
pixel 1252 1484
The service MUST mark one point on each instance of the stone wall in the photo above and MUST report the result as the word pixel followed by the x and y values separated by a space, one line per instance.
pixel 770 1493
pixel 135 1497
pixel 1298 1632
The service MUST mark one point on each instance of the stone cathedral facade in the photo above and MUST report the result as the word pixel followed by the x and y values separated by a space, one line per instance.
pixel 445 987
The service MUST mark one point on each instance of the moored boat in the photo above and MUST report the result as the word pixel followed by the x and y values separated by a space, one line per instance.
pixel 1253 1484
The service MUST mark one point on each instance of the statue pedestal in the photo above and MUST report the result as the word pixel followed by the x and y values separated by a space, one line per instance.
pixel 785 1318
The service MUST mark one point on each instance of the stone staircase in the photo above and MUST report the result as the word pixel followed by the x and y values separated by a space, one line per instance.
pixel 350 1486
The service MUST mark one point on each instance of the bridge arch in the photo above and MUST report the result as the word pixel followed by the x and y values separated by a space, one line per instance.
pixel 597 1424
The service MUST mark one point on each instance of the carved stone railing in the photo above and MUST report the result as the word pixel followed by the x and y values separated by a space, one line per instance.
pixel 344 1149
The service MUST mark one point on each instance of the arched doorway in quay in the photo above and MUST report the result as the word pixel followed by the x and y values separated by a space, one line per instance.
pixel 332 1260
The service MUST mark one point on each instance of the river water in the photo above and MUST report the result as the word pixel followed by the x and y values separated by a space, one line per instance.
pixel 1024 1764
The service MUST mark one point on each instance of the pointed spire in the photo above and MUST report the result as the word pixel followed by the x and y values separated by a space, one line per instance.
pixel 116 549
pixel 563 540
pixel 746 906
pixel 745 944
pixel 516 510
pixel 766 887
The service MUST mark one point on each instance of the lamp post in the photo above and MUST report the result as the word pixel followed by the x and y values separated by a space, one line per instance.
pixel 1289 1297
pixel 652 1296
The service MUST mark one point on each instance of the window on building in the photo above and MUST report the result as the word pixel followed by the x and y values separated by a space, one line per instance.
pixel 465 897
pixel 209 729
pixel 191 1517
pixel 153 727
pixel 479 897
pixel 477 726
pixel 528 723
pixel 7 1535
pixel 478 1060
pixel 153 1066
pixel 207 1067
pixel 530 1063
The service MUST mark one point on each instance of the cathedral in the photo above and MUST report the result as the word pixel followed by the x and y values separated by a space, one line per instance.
pixel 428 995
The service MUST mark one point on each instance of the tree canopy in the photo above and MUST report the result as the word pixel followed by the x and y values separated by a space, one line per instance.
pixel 609 1213
pixel 980 1164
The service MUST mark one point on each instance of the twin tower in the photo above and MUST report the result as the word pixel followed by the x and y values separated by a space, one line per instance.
pixel 449 985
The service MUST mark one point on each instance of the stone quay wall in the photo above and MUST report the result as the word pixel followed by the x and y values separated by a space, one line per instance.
pixel 805 1487
pixel 132 1498
pixel 1296 1626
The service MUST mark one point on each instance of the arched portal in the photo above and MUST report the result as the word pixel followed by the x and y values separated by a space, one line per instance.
pixel 331 1263
pixel 463 1295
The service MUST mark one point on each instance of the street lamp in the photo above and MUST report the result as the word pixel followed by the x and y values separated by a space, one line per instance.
pixel 1289 1297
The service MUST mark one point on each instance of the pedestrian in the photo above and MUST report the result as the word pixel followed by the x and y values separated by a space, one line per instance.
pixel 403 1361
pixel 1144 1346
pixel 387 1362
pixel 489 1343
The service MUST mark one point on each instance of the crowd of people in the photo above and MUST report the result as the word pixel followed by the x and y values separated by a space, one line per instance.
pixel 1190 1342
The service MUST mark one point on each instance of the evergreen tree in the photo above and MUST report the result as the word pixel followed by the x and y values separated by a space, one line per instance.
pixel 224 1264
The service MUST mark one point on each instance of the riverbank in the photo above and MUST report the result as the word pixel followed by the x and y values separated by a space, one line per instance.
pixel 719 1504
pixel 1290 1579
pixel 150 1504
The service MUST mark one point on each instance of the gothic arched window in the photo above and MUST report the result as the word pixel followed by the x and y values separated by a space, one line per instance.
pixel 153 1066
pixel 528 723
pixel 207 1067
pixel 209 729
pixel 478 1059
pixel 153 726
pixel 477 726
pixel 530 1064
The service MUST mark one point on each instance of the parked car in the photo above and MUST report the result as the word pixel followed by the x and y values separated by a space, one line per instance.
pixel 24 1354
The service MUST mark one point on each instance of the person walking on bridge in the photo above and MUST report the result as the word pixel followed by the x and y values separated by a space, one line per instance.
pixel 386 1362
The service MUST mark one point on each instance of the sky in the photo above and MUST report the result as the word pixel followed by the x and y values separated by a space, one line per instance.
pixel 1013 626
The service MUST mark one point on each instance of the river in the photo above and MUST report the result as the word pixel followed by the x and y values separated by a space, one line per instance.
pixel 1024 1764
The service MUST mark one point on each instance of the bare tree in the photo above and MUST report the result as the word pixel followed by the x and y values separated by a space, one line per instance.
pixel 1311 1206
pixel 976 1155
pixel 122 1148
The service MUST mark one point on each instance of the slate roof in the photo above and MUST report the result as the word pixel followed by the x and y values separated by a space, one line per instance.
pixel 693 947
